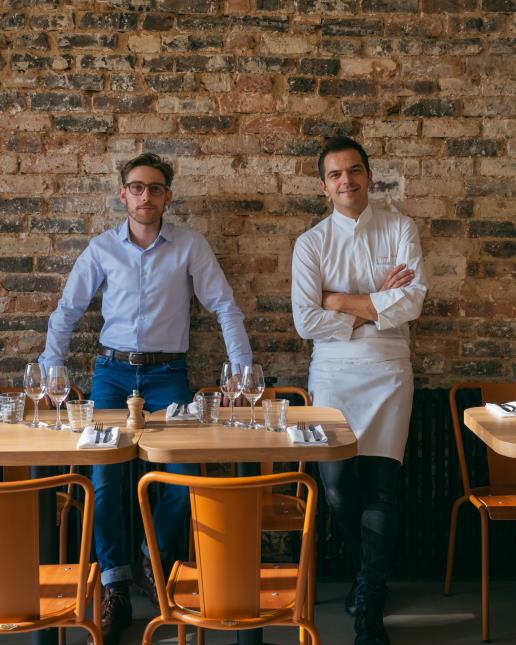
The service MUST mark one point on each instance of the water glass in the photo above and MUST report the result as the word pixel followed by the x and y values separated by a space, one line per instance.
pixel 208 407
pixel 12 405
pixel 275 414
pixel 80 414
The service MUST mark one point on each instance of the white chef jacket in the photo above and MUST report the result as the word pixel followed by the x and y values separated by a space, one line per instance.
pixel 343 255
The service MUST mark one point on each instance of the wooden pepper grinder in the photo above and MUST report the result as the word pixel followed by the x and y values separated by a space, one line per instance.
pixel 136 419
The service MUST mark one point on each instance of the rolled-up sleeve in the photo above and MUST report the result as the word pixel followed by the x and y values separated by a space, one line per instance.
pixel 398 306
pixel 312 322
pixel 213 291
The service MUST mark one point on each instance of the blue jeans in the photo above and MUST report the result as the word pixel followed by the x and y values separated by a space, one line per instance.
pixel 362 496
pixel 159 384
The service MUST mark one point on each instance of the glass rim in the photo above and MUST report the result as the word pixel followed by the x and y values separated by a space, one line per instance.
pixel 83 402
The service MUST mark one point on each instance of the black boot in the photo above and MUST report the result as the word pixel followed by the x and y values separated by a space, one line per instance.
pixel 369 627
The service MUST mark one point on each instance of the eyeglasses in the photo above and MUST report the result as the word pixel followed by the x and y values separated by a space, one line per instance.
pixel 137 188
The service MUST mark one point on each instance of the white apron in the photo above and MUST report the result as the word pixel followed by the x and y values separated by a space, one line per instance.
pixel 375 398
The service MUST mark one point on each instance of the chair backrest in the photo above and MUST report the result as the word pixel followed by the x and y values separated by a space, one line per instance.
pixel 296 395
pixel 76 394
pixel 19 546
pixel 227 524
pixel 501 469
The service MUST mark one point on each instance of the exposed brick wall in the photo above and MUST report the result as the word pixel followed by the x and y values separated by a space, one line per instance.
pixel 239 94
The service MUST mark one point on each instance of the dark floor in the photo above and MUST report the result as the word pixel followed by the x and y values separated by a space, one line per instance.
pixel 416 613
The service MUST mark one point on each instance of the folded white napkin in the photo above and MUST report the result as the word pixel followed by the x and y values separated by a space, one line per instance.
pixel 91 439
pixel 307 437
pixel 172 413
pixel 500 412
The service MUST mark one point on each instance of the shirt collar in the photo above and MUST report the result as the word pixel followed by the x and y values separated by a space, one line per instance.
pixel 166 232
pixel 348 224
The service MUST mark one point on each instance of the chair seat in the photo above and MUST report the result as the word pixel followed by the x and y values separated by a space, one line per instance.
pixel 499 506
pixel 277 586
pixel 58 588
pixel 282 512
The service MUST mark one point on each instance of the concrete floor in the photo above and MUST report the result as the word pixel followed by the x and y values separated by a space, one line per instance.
pixel 416 613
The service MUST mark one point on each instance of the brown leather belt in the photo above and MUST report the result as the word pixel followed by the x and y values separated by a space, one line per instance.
pixel 139 358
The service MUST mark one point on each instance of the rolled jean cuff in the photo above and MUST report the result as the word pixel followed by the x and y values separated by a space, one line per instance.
pixel 117 574
pixel 145 551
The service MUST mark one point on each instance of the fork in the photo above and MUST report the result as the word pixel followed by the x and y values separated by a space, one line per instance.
pixel 301 426
pixel 507 407
pixel 98 427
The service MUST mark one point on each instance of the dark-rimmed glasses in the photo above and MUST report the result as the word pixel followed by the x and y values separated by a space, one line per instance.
pixel 137 188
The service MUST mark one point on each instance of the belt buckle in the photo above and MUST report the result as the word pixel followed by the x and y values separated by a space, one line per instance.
pixel 133 358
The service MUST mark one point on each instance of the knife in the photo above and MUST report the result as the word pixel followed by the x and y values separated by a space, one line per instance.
pixel 107 435
pixel 314 432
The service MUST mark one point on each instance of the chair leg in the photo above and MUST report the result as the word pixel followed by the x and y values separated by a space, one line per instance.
pixel 311 629
pixel 61 636
pixel 94 630
pixel 200 636
pixel 451 543
pixel 97 603
pixel 151 627
pixel 181 634
pixel 304 636
pixel 484 527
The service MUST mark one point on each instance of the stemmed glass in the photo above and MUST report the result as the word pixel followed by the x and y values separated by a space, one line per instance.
pixel 253 385
pixel 231 387
pixel 34 388
pixel 58 387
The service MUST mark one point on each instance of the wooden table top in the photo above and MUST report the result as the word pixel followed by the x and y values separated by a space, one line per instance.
pixel 23 446
pixel 190 442
pixel 499 433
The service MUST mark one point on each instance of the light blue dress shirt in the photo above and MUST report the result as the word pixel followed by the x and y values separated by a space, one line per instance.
pixel 146 295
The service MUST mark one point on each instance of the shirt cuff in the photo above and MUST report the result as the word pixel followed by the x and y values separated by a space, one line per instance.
pixel 383 300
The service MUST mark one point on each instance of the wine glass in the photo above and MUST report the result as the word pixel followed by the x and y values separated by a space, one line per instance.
pixel 231 387
pixel 34 388
pixel 58 387
pixel 253 385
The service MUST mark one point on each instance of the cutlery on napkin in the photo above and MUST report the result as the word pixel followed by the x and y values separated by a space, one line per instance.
pixel 502 409
pixel 92 438
pixel 314 435
pixel 181 412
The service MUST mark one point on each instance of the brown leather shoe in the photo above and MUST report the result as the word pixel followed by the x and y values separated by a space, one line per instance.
pixel 117 614
pixel 144 578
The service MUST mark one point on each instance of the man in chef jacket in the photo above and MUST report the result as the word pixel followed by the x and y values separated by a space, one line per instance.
pixel 357 280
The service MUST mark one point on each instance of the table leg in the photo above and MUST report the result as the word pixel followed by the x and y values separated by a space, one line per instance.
pixel 48 542
pixel 249 636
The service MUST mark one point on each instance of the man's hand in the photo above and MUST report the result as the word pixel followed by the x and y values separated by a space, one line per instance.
pixel 331 300
pixel 400 276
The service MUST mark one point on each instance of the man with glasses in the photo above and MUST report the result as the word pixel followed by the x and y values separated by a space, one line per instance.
pixel 147 271
pixel 357 279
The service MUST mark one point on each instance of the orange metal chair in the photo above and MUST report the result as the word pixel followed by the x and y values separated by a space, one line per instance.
pixel 34 596
pixel 283 512
pixel 496 501
pixel 228 587
pixel 64 499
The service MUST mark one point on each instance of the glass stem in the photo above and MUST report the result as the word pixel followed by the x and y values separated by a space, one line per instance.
pixel 253 421
pixel 58 417
pixel 35 421
pixel 232 405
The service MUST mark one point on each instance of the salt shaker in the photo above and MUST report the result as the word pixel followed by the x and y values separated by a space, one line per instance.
pixel 135 420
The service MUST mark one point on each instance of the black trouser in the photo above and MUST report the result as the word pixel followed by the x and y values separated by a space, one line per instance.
pixel 362 494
